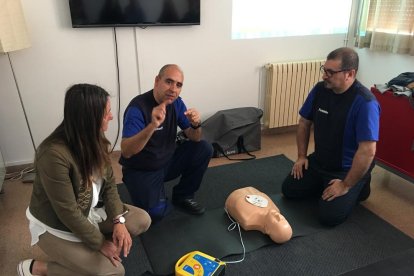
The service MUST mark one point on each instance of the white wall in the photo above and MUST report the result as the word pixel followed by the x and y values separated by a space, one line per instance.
pixel 219 72
pixel 380 67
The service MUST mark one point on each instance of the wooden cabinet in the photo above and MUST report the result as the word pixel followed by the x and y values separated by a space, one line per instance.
pixel 395 148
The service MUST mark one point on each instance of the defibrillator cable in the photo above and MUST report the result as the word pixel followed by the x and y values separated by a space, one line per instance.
pixel 231 227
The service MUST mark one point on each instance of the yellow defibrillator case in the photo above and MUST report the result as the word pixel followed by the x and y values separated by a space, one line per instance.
pixel 199 264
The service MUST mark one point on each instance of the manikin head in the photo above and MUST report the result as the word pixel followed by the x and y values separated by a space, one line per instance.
pixel 277 227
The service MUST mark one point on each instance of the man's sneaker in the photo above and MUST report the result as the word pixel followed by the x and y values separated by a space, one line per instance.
pixel 366 190
pixel 24 268
pixel 190 206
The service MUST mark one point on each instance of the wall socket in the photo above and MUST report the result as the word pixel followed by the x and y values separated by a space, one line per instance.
pixel 29 177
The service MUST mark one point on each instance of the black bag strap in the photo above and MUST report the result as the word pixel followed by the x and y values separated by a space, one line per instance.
pixel 240 147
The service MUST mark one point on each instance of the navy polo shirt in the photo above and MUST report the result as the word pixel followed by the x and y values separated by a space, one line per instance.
pixel 161 146
pixel 341 121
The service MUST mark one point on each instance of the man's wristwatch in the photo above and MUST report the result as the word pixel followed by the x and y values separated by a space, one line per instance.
pixel 120 218
pixel 195 127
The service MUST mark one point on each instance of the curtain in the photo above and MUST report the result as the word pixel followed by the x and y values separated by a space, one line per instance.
pixel 13 31
pixel 386 25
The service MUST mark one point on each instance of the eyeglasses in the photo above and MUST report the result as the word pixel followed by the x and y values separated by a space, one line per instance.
pixel 329 72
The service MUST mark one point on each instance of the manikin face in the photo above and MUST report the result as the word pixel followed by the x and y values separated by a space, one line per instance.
pixel 107 116
pixel 277 227
pixel 167 87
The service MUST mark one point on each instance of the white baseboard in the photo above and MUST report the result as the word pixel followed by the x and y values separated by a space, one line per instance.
pixel 19 163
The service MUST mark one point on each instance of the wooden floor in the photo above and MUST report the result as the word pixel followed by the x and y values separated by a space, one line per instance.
pixel 392 198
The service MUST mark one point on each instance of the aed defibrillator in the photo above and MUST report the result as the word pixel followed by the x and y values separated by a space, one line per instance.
pixel 199 264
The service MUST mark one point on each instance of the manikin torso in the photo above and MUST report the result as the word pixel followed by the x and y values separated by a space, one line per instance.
pixel 254 210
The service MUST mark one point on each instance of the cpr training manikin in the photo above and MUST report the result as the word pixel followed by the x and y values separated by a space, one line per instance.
pixel 254 210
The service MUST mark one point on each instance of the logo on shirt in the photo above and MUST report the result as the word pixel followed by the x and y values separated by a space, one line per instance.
pixel 323 111
pixel 159 128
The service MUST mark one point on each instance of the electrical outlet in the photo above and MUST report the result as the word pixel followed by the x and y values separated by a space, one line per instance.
pixel 28 177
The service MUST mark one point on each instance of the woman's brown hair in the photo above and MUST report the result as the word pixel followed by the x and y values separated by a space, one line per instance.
pixel 81 129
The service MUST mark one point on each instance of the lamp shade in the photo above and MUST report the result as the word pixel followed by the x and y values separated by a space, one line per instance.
pixel 13 31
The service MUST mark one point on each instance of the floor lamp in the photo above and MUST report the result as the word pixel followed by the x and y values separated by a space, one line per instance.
pixel 13 37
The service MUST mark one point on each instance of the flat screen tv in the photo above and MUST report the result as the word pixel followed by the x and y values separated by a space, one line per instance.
pixel 119 13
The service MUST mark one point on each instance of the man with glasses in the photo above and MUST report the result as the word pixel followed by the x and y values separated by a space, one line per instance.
pixel 345 118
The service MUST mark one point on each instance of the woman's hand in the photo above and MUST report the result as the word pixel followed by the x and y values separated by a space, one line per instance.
pixel 110 251
pixel 122 239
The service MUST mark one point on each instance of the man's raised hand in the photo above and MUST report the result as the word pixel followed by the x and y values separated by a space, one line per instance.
pixel 193 116
pixel 158 113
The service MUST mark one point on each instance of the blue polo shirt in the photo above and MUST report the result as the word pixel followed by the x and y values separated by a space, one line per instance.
pixel 161 146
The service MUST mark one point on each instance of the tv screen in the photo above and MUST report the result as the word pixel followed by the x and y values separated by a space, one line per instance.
pixel 118 13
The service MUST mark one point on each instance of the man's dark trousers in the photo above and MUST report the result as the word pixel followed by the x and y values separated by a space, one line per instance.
pixel 146 188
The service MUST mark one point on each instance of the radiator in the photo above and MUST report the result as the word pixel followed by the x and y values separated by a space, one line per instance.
pixel 287 85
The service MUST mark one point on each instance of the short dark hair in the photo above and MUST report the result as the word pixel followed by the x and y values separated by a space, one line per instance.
pixel 349 58
pixel 84 110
